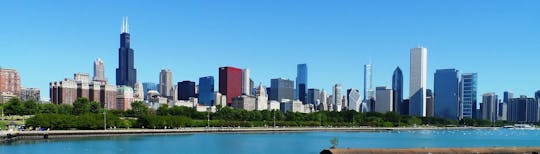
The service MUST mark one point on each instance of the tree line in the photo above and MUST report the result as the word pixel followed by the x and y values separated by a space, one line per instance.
pixel 85 114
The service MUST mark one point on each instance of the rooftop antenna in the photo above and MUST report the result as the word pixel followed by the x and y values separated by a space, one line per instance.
pixel 127 25
pixel 122 29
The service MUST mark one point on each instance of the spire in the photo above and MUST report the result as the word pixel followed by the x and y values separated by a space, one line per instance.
pixel 123 29
pixel 127 25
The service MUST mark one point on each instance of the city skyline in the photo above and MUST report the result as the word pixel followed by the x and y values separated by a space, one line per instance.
pixel 104 44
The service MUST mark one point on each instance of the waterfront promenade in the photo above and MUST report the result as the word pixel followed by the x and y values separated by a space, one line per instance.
pixel 18 135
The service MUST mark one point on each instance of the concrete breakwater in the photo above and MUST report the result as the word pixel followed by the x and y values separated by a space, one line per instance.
pixel 529 150
pixel 21 135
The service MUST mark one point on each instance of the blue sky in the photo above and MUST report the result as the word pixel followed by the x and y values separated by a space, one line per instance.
pixel 49 41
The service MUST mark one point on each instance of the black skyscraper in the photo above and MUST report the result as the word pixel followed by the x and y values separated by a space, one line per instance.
pixel 126 74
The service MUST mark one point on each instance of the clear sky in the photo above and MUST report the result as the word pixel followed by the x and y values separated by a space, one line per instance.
pixel 500 40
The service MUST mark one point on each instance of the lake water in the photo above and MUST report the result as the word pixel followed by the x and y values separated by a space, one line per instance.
pixel 260 143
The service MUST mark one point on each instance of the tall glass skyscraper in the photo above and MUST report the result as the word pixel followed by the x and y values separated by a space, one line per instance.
pixel 206 91
pixel 369 93
pixel 468 94
pixel 397 89
pixel 301 82
pixel 418 82
pixel 446 94
pixel 126 74
pixel 313 96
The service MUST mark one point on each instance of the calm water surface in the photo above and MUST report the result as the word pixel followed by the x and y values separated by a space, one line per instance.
pixel 260 143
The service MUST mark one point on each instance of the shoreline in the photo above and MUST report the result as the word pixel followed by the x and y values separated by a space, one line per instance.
pixel 62 134
pixel 436 150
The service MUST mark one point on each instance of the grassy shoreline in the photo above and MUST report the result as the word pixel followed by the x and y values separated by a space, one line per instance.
pixel 60 134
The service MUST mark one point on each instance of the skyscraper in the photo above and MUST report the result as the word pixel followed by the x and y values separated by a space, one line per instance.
pixel 507 95
pixel 206 91
pixel 324 101
pixel 468 94
pixel 418 82
pixel 397 89
pixel 368 83
pixel 301 83
pixel 245 82
pixel 489 107
pixel 383 100
pixel 446 94
pixel 230 82
pixel 99 71
pixel 353 98
pixel 126 74
pixel 281 89
pixel 186 90
pixel 523 110
pixel 337 97
pixel 313 96
pixel 262 98
pixel 166 83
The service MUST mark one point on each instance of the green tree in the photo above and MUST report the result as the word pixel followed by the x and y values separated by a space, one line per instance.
pixel 81 106
pixel 138 109
pixel 14 107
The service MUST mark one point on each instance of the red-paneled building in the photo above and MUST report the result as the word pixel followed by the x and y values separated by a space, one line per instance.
pixel 230 82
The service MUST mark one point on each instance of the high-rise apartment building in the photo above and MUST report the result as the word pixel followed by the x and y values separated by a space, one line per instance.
pixel 10 81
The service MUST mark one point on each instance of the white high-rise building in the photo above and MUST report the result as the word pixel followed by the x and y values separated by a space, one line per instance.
pixel 418 81
pixel 245 82
pixel 323 101
pixel 337 94
pixel 384 100
pixel 353 98
pixel 99 71
pixel 262 99
pixel 166 88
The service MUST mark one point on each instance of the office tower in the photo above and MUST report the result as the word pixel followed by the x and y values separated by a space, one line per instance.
pixel 337 97
pixel 489 107
pixel 99 71
pixel 430 108
pixel 147 86
pixel 353 98
pixel 244 102
pixel 262 98
pixel 245 82
pixel 166 88
pixel 324 101
pixel 507 95
pixel 124 97
pixel 281 89
pixel 523 110
pixel 252 87
pixel 206 91
pixel 301 83
pixel 368 83
pixel 397 89
pixel 68 90
pixel 126 74
pixel 447 94
pixel 330 103
pixel 230 82
pixel 468 94
pixel 344 103
pixel 418 82
pixel 502 111
pixel 30 94
pixel 186 90
pixel 10 81
pixel 312 96
pixel 383 100
pixel 138 92
pixel 405 107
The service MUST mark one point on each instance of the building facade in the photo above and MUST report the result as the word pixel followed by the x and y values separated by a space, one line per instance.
pixel 10 81
pixel 246 85
pixel 206 91
pixel 446 99
pixel 99 71
pixel 313 95
pixel 148 86
pixel 523 110
pixel 30 94
pixel 354 100
pixel 418 82
pixel 337 97
pixel 124 97
pixel 281 89
pixel 68 90
pixel 383 100
pixel 186 90
pixel 244 102
pixel 166 88
pixel 468 95
pixel 489 107
pixel 230 82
